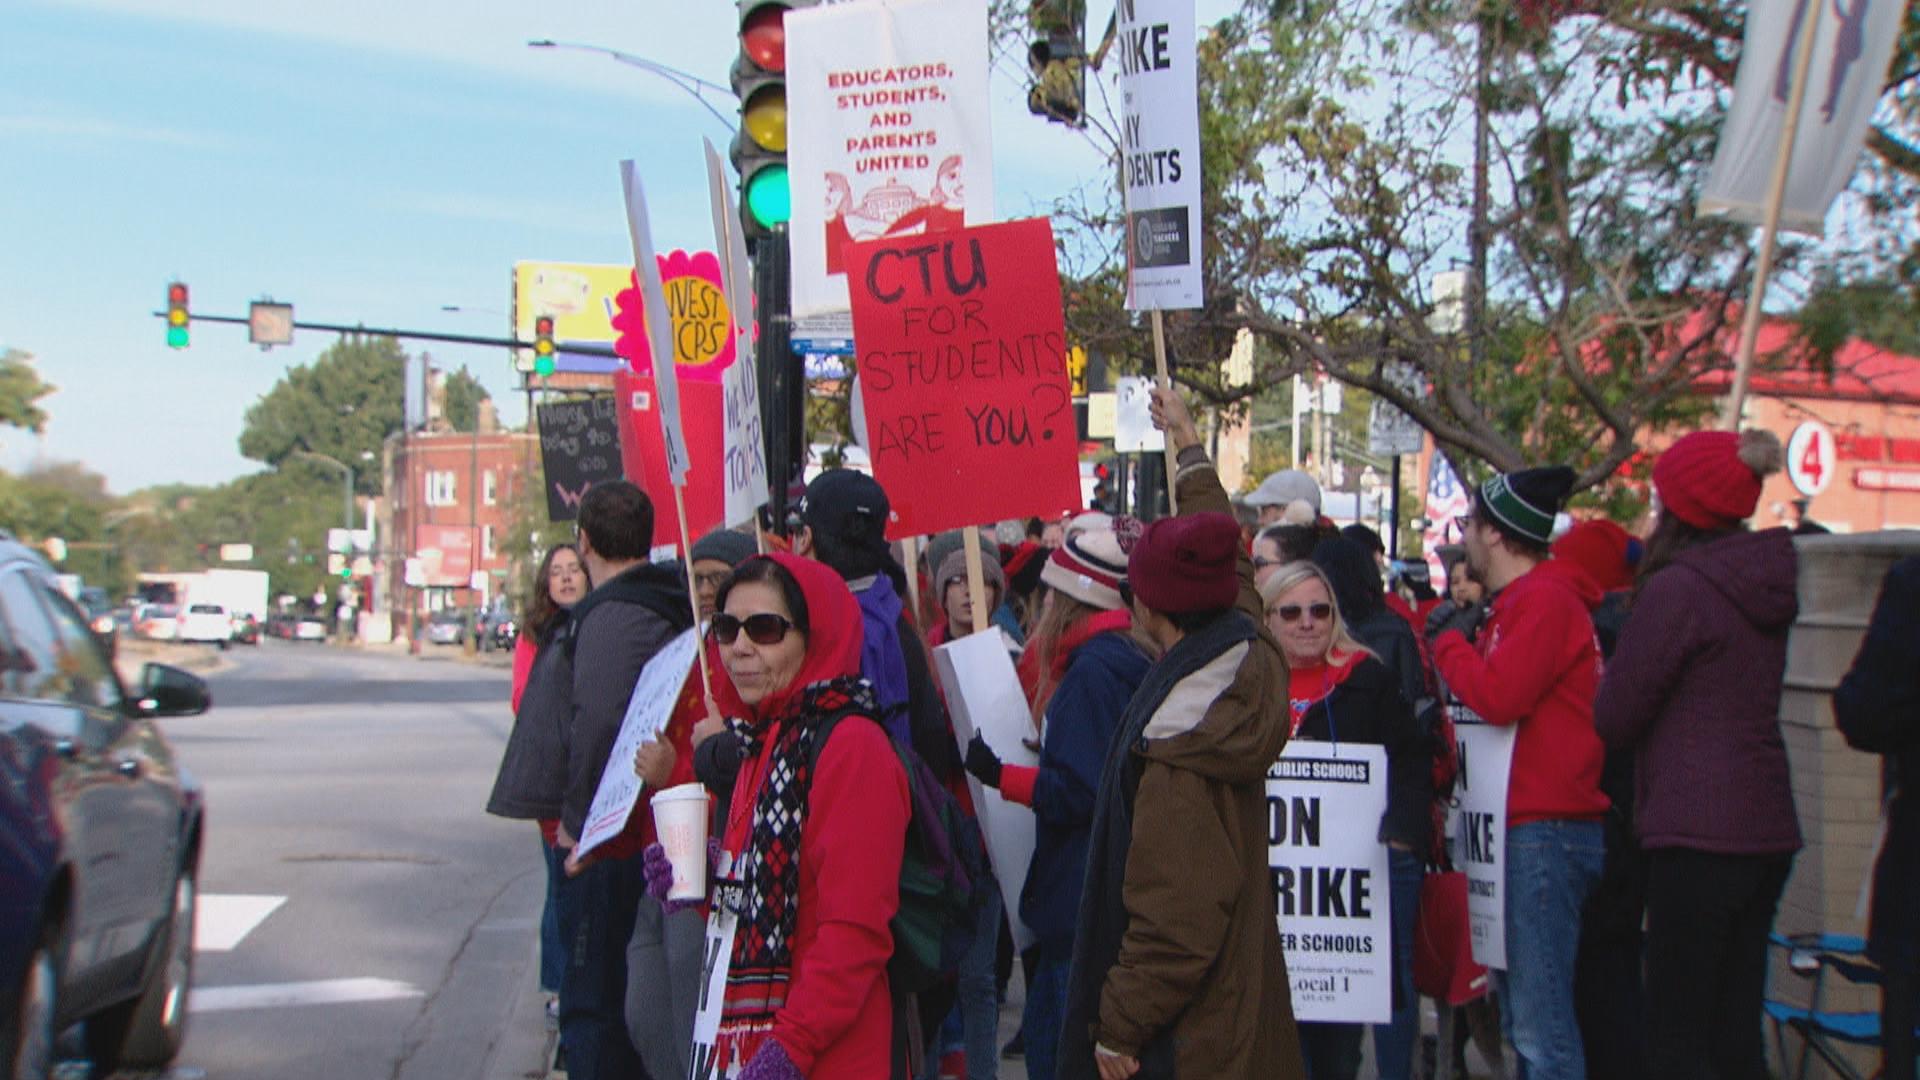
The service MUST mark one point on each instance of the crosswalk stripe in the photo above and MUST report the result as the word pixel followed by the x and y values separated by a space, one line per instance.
pixel 285 995
pixel 224 920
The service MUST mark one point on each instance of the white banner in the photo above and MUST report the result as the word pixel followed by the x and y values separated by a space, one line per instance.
pixel 716 959
pixel 888 131
pixel 1852 45
pixel 1479 829
pixel 648 710
pixel 983 694
pixel 1160 148
pixel 1324 804
pixel 1133 430
pixel 666 379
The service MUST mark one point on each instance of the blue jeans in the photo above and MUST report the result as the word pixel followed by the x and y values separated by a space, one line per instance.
pixel 553 952
pixel 1046 1011
pixel 1552 866
pixel 974 1023
pixel 1393 1041
pixel 597 910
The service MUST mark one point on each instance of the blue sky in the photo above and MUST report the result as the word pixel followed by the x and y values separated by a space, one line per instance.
pixel 365 160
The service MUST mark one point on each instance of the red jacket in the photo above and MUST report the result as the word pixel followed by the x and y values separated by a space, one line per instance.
pixel 838 1020
pixel 1537 665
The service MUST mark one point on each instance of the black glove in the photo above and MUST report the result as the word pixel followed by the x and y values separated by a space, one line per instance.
pixel 1467 620
pixel 982 762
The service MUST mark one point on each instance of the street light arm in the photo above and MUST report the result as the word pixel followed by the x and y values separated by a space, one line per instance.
pixel 692 84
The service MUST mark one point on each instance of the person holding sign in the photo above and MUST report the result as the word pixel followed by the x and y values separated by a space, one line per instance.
pixel 1534 667
pixel 1177 965
pixel 1340 691
pixel 1693 689
pixel 814 836
pixel 1088 669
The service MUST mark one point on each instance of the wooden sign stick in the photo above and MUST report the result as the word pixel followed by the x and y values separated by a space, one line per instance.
pixel 693 597
pixel 1166 383
pixel 976 580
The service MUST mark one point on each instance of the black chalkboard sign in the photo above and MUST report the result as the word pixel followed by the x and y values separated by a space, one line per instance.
pixel 579 447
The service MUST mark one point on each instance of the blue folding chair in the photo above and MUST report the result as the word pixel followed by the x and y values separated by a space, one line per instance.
pixel 1821 1031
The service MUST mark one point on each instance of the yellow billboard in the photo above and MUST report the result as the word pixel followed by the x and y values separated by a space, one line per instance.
pixel 579 297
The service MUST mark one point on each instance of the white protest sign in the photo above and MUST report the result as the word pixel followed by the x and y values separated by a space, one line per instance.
pixel 653 295
pixel 888 131
pixel 1133 430
pixel 984 695
pixel 746 456
pixel 1486 761
pixel 1324 804
pixel 1160 153
pixel 716 959
pixel 730 245
pixel 648 709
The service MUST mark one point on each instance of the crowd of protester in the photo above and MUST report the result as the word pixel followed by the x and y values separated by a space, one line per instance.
pixel 1650 818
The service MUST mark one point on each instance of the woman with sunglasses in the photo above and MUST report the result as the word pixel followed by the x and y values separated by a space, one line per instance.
pixel 1341 692
pixel 814 834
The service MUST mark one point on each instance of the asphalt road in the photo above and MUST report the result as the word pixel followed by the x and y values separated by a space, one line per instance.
pixel 361 915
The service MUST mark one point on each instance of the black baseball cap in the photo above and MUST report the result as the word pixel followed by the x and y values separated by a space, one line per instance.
pixel 847 505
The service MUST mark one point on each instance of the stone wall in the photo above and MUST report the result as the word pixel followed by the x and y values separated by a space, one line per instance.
pixel 1837 789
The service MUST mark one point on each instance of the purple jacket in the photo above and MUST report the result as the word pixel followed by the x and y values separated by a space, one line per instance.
pixel 882 661
pixel 1693 689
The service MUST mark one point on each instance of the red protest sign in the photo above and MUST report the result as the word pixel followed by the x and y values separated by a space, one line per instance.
pixel 643 453
pixel 962 356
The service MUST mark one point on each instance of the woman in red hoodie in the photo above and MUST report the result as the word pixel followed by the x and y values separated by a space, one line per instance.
pixel 815 832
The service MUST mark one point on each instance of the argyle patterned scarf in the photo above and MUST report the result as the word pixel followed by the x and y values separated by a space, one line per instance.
pixel 763 944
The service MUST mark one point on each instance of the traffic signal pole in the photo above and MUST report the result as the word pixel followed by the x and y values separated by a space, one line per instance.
pixel 782 381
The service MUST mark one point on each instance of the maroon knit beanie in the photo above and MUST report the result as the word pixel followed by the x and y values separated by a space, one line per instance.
pixel 1711 479
pixel 1187 563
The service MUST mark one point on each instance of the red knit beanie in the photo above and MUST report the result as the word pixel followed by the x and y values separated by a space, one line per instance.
pixel 1711 479
pixel 1603 551
pixel 1187 564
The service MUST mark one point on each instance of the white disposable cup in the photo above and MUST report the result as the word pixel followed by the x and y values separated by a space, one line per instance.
pixel 680 817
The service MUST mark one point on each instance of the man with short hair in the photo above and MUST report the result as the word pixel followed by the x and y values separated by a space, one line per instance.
pixel 1535 665
pixel 634 609
pixel 1177 965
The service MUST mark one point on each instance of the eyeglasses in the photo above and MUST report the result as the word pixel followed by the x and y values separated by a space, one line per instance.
pixel 1261 562
pixel 766 628
pixel 1292 612
pixel 711 581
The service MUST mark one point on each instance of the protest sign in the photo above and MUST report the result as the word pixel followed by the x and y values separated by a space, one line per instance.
pixel 1480 824
pixel 1133 430
pixel 1324 804
pixel 730 244
pixel 644 459
pixel 1160 153
pixel 653 296
pixel 579 447
pixel 716 959
pixel 699 312
pixel 983 694
pixel 655 693
pixel 744 472
pixel 963 372
pixel 888 131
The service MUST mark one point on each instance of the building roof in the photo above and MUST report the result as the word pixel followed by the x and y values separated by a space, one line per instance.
pixel 1784 367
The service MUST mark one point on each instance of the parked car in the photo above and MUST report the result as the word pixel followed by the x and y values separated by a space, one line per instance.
pixel 205 624
pixel 497 631
pixel 246 629
pixel 310 628
pixel 447 628
pixel 99 870
pixel 158 622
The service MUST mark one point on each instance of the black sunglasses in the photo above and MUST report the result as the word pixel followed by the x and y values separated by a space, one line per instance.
pixel 765 628
pixel 1292 612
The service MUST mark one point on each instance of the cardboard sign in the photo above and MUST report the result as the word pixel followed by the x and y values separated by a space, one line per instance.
pixel 655 693
pixel 730 244
pixel 699 312
pixel 889 133
pixel 963 372
pixel 579 447
pixel 1324 804
pixel 659 322
pixel 744 471
pixel 1133 430
pixel 1160 153
pixel 983 694
pixel 644 459
pixel 1478 828
pixel 716 960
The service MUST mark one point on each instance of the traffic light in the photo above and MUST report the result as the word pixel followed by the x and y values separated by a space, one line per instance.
pixel 177 317
pixel 543 346
pixel 759 152
pixel 1057 58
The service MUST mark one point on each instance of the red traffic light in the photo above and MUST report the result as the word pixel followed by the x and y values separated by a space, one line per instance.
pixel 177 294
pixel 763 37
pixel 543 326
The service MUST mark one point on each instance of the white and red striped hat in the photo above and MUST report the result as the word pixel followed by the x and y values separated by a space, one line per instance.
pixel 1090 567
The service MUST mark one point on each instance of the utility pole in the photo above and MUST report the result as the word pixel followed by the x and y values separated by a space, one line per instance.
pixel 783 382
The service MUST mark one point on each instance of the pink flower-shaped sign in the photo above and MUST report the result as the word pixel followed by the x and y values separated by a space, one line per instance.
pixel 696 304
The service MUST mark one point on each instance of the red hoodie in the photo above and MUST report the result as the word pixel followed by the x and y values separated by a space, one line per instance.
pixel 1538 665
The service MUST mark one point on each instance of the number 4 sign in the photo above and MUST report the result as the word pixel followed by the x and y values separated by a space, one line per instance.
pixel 1810 458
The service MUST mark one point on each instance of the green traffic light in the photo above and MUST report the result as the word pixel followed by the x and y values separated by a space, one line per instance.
pixel 543 366
pixel 769 198
pixel 176 337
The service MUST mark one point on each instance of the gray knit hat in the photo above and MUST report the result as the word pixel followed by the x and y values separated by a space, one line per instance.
pixel 724 545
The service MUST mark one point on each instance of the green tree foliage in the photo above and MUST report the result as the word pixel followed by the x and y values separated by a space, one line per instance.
pixel 463 397
pixel 342 405
pixel 20 392
pixel 65 500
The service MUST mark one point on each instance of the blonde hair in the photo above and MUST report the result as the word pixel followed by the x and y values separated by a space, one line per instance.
pixel 1294 573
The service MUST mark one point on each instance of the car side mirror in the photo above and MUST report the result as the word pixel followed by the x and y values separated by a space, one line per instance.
pixel 166 690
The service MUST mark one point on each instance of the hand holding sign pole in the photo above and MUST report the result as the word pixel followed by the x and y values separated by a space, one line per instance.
pixel 666 380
